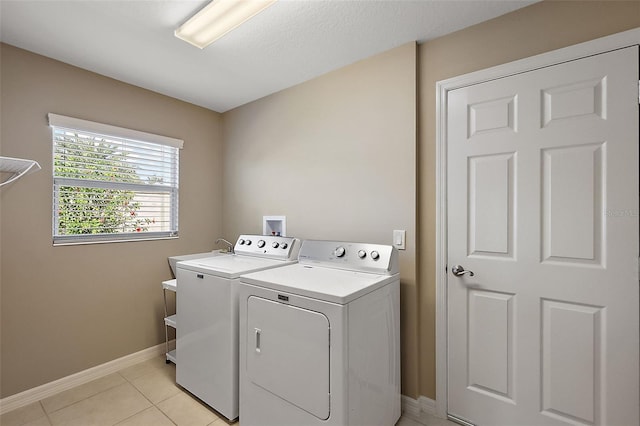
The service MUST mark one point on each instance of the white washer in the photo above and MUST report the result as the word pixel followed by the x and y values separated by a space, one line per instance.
pixel 207 311
pixel 320 339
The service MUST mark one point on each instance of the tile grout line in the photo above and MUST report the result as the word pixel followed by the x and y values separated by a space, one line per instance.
pixel 76 402
pixel 45 412
pixel 130 382
pixel 151 402
pixel 143 395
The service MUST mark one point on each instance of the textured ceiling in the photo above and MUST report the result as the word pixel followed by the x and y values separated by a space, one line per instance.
pixel 289 43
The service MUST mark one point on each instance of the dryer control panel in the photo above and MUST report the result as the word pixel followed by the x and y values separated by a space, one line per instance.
pixel 364 257
pixel 284 248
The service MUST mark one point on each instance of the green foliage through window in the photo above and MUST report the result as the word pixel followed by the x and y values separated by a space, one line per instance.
pixel 85 210
pixel 111 186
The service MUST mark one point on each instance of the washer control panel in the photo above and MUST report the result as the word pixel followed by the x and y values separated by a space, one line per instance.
pixel 365 257
pixel 285 248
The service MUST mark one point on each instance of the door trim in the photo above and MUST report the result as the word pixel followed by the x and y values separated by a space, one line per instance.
pixel 590 48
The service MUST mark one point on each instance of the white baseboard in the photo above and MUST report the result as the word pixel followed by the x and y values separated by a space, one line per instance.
pixel 49 389
pixel 414 408
pixel 410 408
pixel 427 405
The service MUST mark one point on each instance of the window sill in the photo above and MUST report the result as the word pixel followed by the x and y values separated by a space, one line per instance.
pixel 76 242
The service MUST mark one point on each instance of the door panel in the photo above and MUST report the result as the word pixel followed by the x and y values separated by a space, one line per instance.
pixel 571 359
pixel 288 353
pixel 492 115
pixel 543 192
pixel 572 225
pixel 491 205
pixel 571 100
pixel 491 343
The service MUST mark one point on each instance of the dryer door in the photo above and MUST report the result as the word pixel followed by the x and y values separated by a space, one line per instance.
pixel 288 353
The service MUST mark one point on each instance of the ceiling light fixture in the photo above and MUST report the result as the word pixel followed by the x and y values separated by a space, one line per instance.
pixel 218 18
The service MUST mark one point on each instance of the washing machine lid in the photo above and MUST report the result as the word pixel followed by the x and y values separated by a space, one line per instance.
pixel 327 284
pixel 231 266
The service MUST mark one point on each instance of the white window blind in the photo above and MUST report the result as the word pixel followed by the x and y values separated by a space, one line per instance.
pixel 112 184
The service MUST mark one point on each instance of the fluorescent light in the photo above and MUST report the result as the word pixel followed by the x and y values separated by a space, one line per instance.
pixel 217 19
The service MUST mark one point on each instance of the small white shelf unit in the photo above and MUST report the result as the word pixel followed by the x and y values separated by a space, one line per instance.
pixel 169 320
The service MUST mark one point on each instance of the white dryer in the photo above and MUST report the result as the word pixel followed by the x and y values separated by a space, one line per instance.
pixel 320 339
pixel 207 311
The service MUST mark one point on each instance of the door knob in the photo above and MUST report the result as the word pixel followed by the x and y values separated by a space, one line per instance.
pixel 459 271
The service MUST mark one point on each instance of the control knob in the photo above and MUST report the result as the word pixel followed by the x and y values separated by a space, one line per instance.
pixel 375 255
pixel 241 241
pixel 362 254
pixel 261 243
pixel 284 245
pixel 275 244
pixel 247 242
pixel 340 251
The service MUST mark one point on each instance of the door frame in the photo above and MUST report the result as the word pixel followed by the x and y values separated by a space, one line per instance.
pixel 589 48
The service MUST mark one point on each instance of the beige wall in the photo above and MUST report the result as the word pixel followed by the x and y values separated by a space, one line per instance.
pixel 65 309
pixel 336 156
pixel 529 31
pixel 346 139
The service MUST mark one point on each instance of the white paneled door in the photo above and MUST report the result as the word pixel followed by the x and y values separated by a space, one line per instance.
pixel 543 210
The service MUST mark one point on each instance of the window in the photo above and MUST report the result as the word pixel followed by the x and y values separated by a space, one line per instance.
pixel 112 184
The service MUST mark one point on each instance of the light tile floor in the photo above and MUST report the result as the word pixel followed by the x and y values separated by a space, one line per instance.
pixel 142 395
